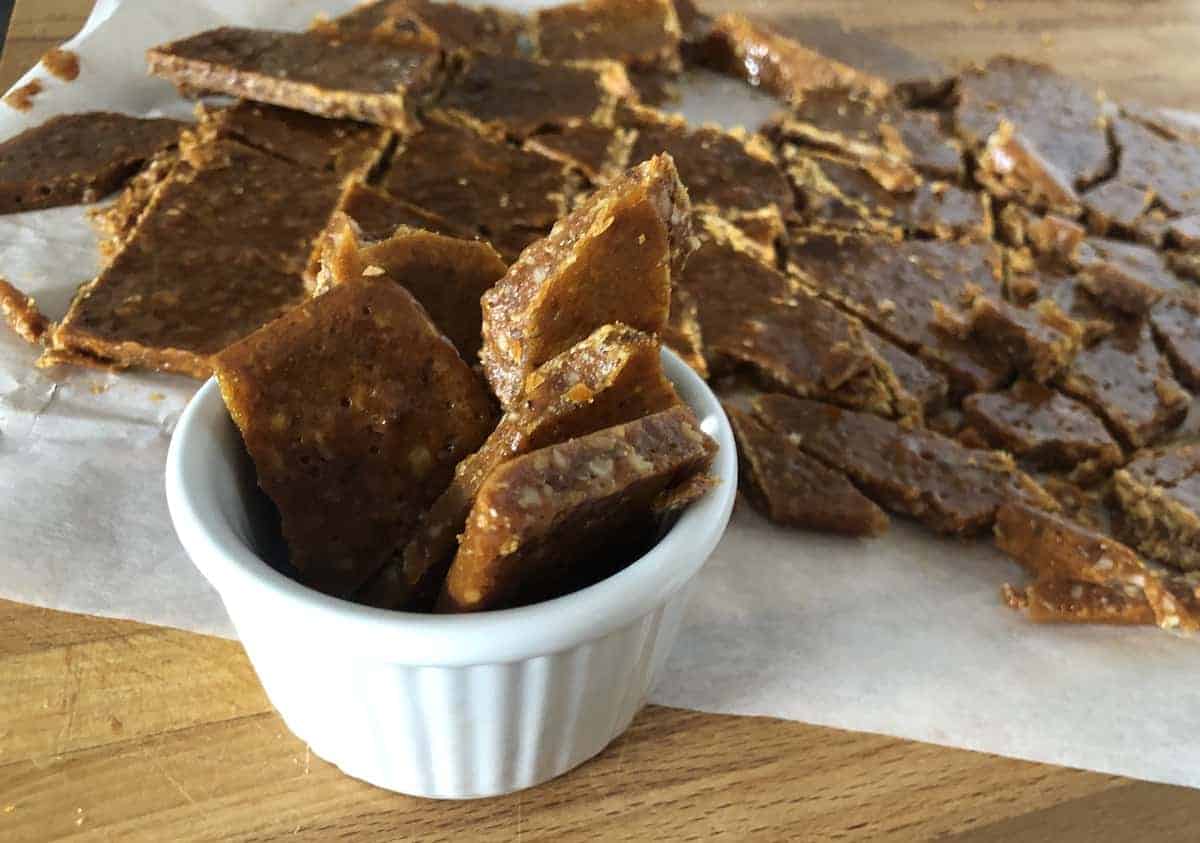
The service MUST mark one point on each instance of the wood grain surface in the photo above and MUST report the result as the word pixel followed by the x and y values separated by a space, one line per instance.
pixel 111 730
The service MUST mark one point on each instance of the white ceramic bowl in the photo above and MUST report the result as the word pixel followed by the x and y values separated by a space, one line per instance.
pixel 447 706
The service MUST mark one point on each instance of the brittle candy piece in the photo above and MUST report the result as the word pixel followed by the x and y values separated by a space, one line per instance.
pixel 1052 547
pixel 1040 340
pixel 1116 208
pixel 1161 170
pixel 730 171
pixel 778 64
pixel 1089 507
pixel 551 512
pixel 753 319
pixel 1040 137
pixel 510 196
pixel 1055 549
pixel 453 25
pixel 1176 325
pixel 837 192
pixel 513 96
pixel 1159 496
pixel 682 333
pixel 116 221
pixel 377 214
pixel 763 227
pixel 343 147
pixel 217 254
pixel 609 260
pixel 865 128
pixel 1063 601
pixel 947 487
pixel 792 488
pixel 1050 237
pixel 1128 382
pixel 918 390
pixel 916 79
pixel 446 275
pixel 77 158
pixel 600 153
pixel 354 409
pixel 1043 428
pixel 892 287
pixel 374 80
pixel 612 377
pixel 639 33
pixel 1124 276
pixel 21 312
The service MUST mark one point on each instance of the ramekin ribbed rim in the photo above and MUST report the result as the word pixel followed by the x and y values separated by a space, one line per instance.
pixel 320 622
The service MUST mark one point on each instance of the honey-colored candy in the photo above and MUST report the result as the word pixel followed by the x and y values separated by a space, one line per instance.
pixel 610 260
pixel 217 253
pixel 792 488
pixel 447 275
pixel 355 410
pixel 377 81
pixel 611 377
pixel 77 158
pixel 554 512
pixel 949 488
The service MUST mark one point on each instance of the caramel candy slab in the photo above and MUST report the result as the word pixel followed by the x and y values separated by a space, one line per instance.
pixel 217 254
pixel 452 25
pixel 378 214
pixel 918 390
pixel 1176 325
pixel 683 334
pixel 729 171
pixel 949 488
pixel 115 221
pixel 808 348
pixel 864 128
pixel 446 275
pixel 778 64
pixel 78 158
pixel 1128 382
pixel 1041 136
pixel 599 153
pixel 512 96
pixel 838 193
pixel 1089 507
pixel 792 488
pixel 354 409
pixel 1159 497
pixel 1055 549
pixel 373 80
pixel 1126 277
pixel 1064 601
pixel 610 260
pixel 892 287
pixel 498 191
pixel 21 312
pixel 546 513
pixel 1042 427
pixel 613 377
pixel 343 147
pixel 1162 170
pixel 639 33
pixel 1040 340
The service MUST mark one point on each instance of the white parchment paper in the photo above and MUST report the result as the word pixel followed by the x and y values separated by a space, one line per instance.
pixel 903 635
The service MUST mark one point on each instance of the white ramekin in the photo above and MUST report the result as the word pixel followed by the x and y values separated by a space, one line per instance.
pixel 440 705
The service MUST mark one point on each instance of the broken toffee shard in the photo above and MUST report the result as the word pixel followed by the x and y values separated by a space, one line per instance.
pixel 355 410
pixel 373 80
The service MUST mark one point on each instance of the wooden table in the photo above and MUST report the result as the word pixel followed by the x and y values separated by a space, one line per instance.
pixel 118 731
